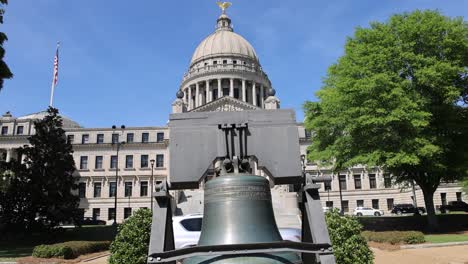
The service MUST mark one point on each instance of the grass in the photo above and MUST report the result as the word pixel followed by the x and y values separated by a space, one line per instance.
pixel 446 238
pixel 22 246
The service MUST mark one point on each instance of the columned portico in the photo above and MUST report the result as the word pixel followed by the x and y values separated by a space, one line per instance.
pixel 244 97
pixel 197 95
pixel 254 94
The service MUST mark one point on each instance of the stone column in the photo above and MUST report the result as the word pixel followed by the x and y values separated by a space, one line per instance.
pixel 231 87
pixel 190 97
pixel 219 89
pixel 244 94
pixel 9 153
pixel 254 94
pixel 208 91
pixel 197 95
pixel 262 96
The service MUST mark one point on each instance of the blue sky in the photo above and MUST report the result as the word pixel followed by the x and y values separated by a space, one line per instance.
pixel 122 61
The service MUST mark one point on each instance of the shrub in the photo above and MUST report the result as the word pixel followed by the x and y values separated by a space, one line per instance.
pixel 68 250
pixel 395 237
pixel 132 241
pixel 349 246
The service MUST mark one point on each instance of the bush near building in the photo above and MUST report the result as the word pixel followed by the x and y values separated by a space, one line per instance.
pixel 395 237
pixel 69 250
pixel 349 246
pixel 132 240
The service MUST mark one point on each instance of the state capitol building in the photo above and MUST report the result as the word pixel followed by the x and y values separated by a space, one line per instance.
pixel 224 75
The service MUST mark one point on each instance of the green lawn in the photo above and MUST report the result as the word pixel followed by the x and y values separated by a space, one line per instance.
pixel 23 246
pixel 446 238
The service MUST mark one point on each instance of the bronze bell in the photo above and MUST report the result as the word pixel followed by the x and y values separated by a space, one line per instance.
pixel 238 210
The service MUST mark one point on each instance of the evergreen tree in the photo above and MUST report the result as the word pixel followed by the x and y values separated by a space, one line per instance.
pixel 5 72
pixel 398 99
pixel 40 191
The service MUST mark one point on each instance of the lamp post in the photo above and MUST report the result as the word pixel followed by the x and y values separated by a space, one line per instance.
pixel 151 192
pixel 118 144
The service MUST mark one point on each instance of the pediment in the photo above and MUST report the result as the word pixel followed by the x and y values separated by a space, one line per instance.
pixel 225 104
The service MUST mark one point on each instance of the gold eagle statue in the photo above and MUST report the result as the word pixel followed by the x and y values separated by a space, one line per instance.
pixel 224 5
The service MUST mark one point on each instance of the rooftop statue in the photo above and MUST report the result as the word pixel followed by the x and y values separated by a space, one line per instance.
pixel 224 6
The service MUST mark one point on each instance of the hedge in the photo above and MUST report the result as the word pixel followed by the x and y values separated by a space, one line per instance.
pixel 395 237
pixel 69 250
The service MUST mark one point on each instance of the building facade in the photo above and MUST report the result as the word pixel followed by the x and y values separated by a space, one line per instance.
pixel 224 74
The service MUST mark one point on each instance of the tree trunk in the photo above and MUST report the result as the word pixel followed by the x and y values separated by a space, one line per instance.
pixel 432 223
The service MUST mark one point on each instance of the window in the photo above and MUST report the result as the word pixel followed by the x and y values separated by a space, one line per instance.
pixel 160 137
pixel 345 206
pixel 83 162
pixel 145 137
pixel 115 138
pixel 19 130
pixel 224 61
pixel 443 198
pixel 342 179
pixel 84 139
pixel 387 181
pixel 127 212
pixel 159 161
pixel 327 185
pixel 215 62
pixel 111 214
pixel 128 189
pixel 129 161
pixel 144 188
pixel 357 182
pixel 144 161
pixel 97 189
pixel 192 224
pixel 459 196
pixel 113 163
pixel 360 203
pixel 375 203
pixel 100 138
pixel 96 213
pixel 4 130
pixel 329 204
pixel 307 133
pixel 372 181
pixel 390 204
pixel 98 162
pixel 130 137
pixel 70 139
pixel 112 189
pixel 82 190
pixel 234 62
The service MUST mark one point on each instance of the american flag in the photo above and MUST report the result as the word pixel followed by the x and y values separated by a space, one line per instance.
pixel 56 64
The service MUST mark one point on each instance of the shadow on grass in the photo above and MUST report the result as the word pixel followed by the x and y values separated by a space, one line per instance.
pixel 21 245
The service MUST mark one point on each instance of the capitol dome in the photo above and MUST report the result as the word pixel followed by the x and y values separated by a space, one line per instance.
pixel 222 43
pixel 224 65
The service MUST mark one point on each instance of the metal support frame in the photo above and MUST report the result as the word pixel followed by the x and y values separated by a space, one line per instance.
pixel 162 234
pixel 314 227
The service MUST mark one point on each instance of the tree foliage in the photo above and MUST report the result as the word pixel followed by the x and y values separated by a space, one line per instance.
pixel 132 241
pixel 398 99
pixel 5 72
pixel 349 246
pixel 38 191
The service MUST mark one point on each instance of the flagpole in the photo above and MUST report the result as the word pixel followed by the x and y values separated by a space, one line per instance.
pixel 54 77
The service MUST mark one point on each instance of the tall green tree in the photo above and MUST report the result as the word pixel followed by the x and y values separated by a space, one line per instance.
pixel 5 72
pixel 398 99
pixel 39 191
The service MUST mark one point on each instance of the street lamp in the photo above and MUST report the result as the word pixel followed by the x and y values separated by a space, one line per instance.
pixel 151 192
pixel 118 144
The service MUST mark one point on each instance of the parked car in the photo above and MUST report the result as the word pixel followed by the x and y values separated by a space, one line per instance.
pixel 187 230
pixel 91 221
pixel 366 211
pixel 454 206
pixel 400 209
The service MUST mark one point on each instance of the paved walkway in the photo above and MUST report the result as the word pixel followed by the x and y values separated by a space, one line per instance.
pixel 441 255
